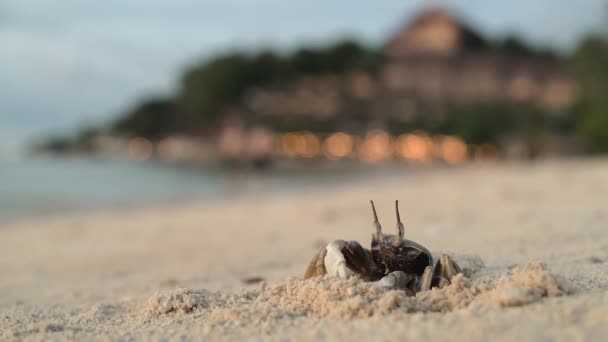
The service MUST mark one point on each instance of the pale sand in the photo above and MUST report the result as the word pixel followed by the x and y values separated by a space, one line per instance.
pixel 177 272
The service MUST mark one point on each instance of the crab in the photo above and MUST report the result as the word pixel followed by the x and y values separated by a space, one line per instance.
pixel 392 262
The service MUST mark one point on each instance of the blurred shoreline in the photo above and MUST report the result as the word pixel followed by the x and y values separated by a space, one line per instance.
pixel 40 188
pixel 34 188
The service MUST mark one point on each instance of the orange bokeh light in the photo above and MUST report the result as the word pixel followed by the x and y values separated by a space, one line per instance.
pixel 338 145
pixel 416 147
pixel 303 144
pixel 452 149
pixel 375 147
pixel 311 144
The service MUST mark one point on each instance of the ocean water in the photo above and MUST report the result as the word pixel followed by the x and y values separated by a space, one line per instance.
pixel 30 187
pixel 42 186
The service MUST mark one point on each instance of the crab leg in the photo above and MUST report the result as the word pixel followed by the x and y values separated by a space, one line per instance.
pixel 446 267
pixel 440 282
pixel 400 228
pixel 316 267
pixel 376 223
pixel 395 280
pixel 426 279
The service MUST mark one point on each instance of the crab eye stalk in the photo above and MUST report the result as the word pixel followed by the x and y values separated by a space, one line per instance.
pixel 376 223
pixel 400 228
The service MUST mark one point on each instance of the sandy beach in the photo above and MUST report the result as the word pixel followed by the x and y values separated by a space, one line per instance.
pixel 531 237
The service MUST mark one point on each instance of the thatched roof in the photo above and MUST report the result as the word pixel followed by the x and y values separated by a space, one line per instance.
pixel 434 32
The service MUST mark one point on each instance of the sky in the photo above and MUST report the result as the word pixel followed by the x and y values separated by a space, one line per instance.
pixel 69 63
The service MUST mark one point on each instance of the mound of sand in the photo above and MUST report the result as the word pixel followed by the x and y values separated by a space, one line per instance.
pixel 353 298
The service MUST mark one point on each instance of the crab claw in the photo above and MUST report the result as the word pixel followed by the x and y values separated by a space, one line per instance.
pixel 400 228
pixel 376 223
pixel 359 260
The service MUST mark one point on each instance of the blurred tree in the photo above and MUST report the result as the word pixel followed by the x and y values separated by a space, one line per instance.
pixel 343 56
pixel 208 89
pixel 266 68
pixel 489 123
pixel 309 61
pixel 590 64
pixel 348 55
pixel 58 145
pixel 151 119
pixel 86 138
pixel 514 46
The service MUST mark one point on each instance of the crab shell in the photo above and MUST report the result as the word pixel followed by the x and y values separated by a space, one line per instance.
pixel 407 256
pixel 395 253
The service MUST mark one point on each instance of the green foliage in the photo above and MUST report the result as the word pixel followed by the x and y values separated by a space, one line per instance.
pixel 86 137
pixel 57 144
pixel 594 127
pixel 514 46
pixel 208 89
pixel 489 122
pixel 151 119
pixel 342 57
pixel 474 41
pixel 589 63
